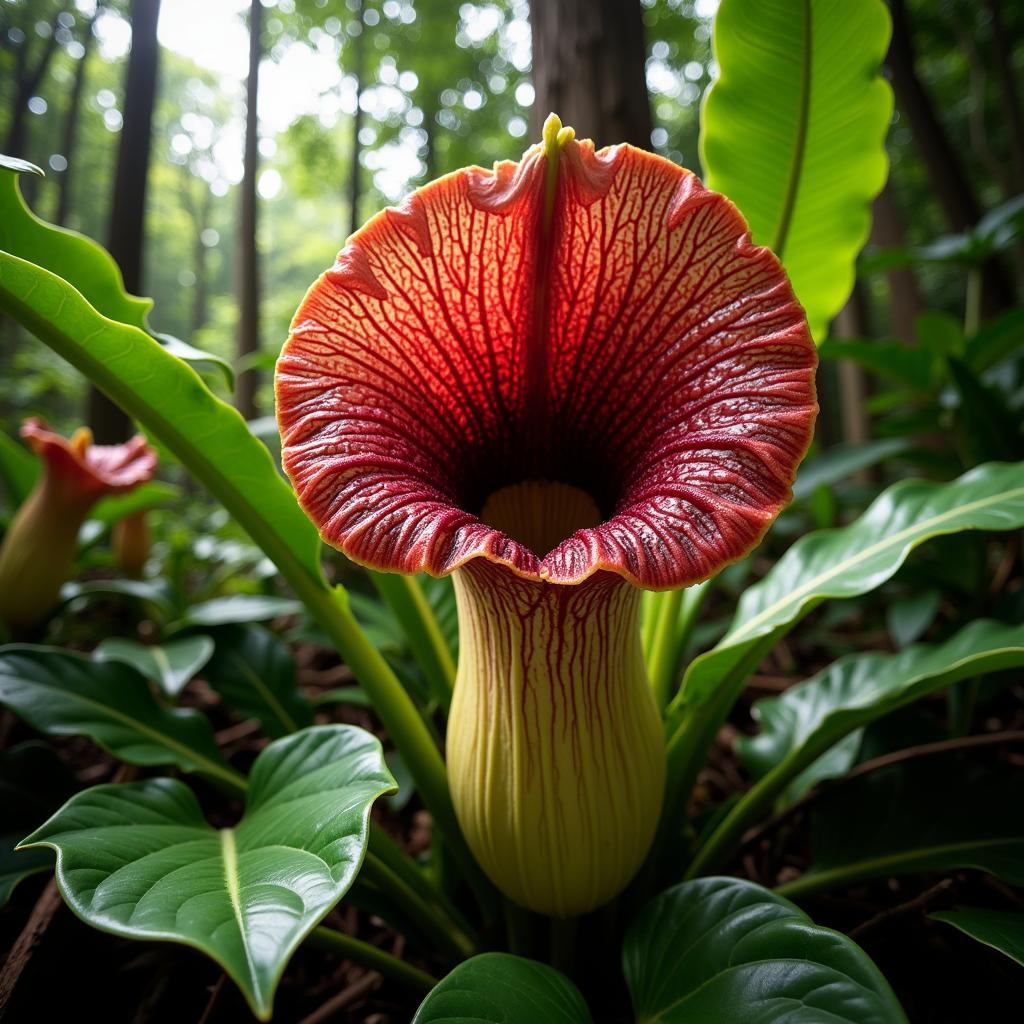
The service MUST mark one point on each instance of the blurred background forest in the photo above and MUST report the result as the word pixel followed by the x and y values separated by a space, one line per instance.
pixel 142 106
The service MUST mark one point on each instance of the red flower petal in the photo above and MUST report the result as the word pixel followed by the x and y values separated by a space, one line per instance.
pixel 631 342
pixel 90 471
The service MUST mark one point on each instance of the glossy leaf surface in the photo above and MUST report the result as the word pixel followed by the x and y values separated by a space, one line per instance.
pixel 239 608
pixel 1000 929
pixel 64 694
pixel 255 674
pixel 497 988
pixel 938 814
pixel 140 861
pixel 854 560
pixel 793 131
pixel 809 718
pixel 171 664
pixel 723 949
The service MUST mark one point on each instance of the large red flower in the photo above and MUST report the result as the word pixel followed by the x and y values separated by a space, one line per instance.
pixel 606 325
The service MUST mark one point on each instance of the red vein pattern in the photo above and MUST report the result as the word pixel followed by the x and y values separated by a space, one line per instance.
pixel 635 345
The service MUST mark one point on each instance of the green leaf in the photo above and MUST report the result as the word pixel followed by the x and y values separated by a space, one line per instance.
pixel 171 664
pixel 64 694
pixel 810 732
pixel 915 367
pixel 153 591
pixel 805 721
pixel 723 949
pixel 167 397
pixel 497 988
pixel 255 674
pixel 139 860
pixel 226 611
pixel 840 462
pixel 1000 929
pixel 197 357
pixel 854 560
pixel 793 131
pixel 146 496
pixel 34 782
pixel 908 618
pixel 932 815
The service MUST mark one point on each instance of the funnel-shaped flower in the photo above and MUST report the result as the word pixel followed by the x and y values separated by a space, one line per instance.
pixel 39 545
pixel 563 380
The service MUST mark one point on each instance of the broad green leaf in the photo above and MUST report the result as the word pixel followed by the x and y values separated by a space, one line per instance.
pixel 140 861
pixel 842 461
pixel 64 694
pixel 801 724
pixel 726 950
pixel 810 732
pixel 854 560
pixel 226 611
pixel 498 988
pixel 255 674
pixel 936 814
pixel 1000 929
pixel 168 398
pixel 908 618
pixel 87 266
pixel 793 131
pixel 171 664
pixel 34 782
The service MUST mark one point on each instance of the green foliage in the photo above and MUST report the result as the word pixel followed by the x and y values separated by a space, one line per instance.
pixel 793 132
pixel 254 672
pixel 1000 929
pixel 64 694
pixel 926 816
pixel 171 664
pixel 140 861
pixel 720 949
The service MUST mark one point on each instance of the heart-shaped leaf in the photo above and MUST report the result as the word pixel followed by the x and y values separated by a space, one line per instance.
pixel 800 742
pixel 140 861
pixel 66 694
pixel 497 988
pixel 255 674
pixel 793 131
pixel 939 814
pixel 171 664
pixel 34 782
pixel 1000 929
pixel 726 950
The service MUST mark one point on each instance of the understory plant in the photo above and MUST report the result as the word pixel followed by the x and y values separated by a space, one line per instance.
pixel 581 386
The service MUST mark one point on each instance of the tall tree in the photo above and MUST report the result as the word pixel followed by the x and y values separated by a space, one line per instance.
pixel 357 66
pixel 69 142
pixel 126 236
pixel 248 225
pixel 30 65
pixel 588 67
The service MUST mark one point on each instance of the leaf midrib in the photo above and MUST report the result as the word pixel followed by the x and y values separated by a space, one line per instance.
pixel 865 554
pixel 229 856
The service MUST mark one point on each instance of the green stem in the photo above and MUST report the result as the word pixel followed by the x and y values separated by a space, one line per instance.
pixel 563 945
pixel 972 302
pixel 370 956
pixel 405 597
pixel 430 919
pixel 662 658
pixel 406 728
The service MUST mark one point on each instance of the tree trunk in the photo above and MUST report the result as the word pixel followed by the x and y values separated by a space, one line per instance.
pixel 199 256
pixel 27 78
pixel 70 140
pixel 1003 66
pixel 588 67
pixel 126 238
pixel 248 260
pixel 357 69
pixel 904 297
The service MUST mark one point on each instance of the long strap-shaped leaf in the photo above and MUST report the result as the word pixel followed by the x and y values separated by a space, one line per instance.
pixel 809 719
pixel 793 132
pixel 840 563
pixel 209 437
